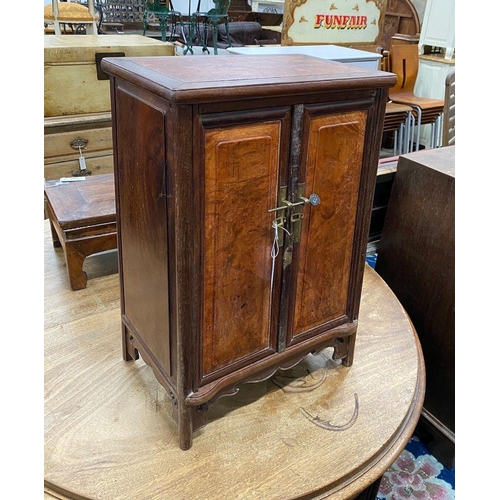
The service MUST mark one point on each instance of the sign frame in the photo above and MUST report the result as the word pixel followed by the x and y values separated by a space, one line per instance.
pixel 343 22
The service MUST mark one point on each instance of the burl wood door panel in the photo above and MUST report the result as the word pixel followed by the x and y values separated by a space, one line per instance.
pixel 143 225
pixel 241 183
pixel 331 166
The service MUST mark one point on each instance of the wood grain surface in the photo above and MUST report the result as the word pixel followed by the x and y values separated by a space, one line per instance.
pixel 241 185
pixel 315 431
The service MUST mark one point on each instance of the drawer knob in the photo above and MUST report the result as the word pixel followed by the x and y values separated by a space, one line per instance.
pixel 79 143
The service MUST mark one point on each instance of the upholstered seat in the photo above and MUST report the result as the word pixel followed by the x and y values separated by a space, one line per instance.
pixel 71 13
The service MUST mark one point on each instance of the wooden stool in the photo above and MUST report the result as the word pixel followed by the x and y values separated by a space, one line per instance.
pixel 82 219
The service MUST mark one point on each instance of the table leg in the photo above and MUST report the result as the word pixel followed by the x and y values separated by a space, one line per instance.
pixel 76 251
pixel 55 237
pixel 74 263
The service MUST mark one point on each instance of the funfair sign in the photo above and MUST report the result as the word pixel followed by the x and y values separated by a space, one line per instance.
pixel 307 22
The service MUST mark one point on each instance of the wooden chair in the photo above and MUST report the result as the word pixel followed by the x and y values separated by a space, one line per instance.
pixel 74 14
pixel 449 111
pixel 163 11
pixel 404 63
pixel 210 23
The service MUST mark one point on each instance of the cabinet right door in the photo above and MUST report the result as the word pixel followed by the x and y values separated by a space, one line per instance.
pixel 330 167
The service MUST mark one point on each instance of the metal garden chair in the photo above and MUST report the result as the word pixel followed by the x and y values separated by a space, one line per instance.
pixel 163 10
pixel 210 22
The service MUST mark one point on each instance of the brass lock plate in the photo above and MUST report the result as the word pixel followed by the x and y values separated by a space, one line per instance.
pixel 298 214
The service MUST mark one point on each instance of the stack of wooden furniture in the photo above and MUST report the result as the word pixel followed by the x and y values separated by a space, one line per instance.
pixel 400 120
pixel 77 105
pixel 78 142
pixel 404 62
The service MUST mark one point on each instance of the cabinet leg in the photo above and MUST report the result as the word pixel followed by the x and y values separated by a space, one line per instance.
pixel 185 426
pixel 344 349
pixel 129 352
pixel 189 419
pixel 349 358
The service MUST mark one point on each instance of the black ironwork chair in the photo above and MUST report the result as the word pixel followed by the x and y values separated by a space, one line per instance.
pixel 204 24
pixel 163 10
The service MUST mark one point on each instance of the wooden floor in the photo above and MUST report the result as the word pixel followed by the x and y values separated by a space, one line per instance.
pixel 316 431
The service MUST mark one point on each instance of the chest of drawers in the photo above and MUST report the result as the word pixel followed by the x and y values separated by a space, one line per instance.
pixel 77 107
pixel 68 138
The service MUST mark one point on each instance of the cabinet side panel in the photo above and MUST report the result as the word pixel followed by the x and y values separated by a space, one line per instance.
pixel 333 167
pixel 241 181
pixel 143 223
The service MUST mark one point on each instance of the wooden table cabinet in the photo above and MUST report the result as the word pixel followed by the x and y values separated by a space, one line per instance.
pixel 243 193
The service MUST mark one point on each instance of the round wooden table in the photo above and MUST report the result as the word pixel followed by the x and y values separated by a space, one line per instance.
pixel 319 430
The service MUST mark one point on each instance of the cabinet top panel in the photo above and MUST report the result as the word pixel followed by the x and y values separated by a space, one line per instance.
pixel 201 78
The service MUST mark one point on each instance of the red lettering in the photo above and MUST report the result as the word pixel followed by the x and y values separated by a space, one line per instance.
pixel 328 21
pixel 319 20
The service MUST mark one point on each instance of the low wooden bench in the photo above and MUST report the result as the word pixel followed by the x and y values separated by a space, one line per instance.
pixel 82 217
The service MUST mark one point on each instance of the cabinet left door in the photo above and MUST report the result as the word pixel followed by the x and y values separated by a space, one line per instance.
pixel 243 162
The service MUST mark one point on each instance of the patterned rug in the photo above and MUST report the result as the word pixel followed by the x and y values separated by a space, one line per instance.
pixel 416 474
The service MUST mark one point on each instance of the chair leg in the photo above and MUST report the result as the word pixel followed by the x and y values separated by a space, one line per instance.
pixel 401 135
pixel 92 29
pixel 215 35
pixel 419 122
pixel 439 137
pixel 163 27
pixel 173 28
pixel 204 37
pixel 412 121
pixel 188 41
pixel 406 135
pixel 227 32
